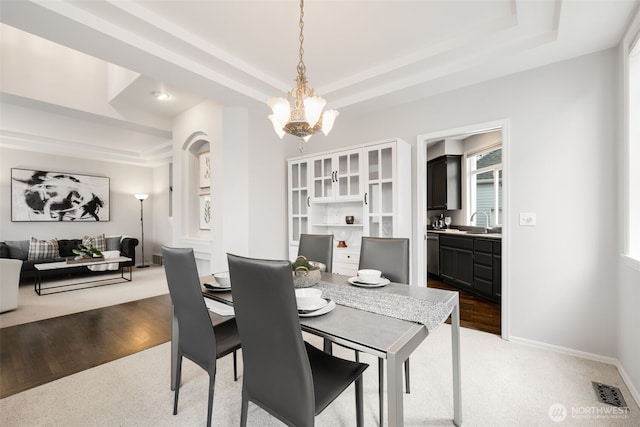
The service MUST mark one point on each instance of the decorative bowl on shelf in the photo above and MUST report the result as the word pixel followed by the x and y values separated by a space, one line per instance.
pixel 342 236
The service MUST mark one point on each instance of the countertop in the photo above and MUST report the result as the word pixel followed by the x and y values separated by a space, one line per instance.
pixel 463 233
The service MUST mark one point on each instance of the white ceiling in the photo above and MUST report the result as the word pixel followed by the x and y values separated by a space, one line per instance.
pixel 360 55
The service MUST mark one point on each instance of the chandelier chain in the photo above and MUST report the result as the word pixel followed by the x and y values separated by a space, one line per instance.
pixel 301 67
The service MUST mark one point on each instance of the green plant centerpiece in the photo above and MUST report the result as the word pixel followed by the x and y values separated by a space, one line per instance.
pixel 306 273
pixel 83 252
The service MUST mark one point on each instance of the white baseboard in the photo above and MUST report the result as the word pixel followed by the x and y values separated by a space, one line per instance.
pixel 627 381
pixel 584 355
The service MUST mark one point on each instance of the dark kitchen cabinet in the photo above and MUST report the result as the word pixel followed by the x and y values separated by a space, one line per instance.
pixel 483 265
pixel 497 270
pixel 444 183
pixel 456 261
pixel 473 264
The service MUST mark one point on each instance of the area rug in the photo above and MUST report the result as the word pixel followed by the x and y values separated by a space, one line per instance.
pixel 503 384
pixel 147 282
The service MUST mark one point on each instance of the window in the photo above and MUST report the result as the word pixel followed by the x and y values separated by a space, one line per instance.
pixel 484 187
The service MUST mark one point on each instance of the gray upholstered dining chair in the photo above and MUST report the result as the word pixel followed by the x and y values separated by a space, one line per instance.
pixel 198 340
pixel 287 377
pixel 317 247
pixel 391 257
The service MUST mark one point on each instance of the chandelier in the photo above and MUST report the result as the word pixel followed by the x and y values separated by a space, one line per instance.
pixel 300 113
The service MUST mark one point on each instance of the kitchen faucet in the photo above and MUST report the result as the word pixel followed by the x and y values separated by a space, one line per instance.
pixel 488 227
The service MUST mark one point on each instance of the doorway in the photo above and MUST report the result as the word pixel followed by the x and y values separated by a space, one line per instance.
pixel 461 216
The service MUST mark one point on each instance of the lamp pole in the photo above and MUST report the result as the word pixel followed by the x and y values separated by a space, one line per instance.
pixel 142 198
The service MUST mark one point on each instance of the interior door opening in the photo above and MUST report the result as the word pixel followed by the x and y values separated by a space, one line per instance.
pixel 462 182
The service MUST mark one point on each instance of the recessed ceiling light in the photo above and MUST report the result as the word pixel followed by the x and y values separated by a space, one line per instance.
pixel 161 96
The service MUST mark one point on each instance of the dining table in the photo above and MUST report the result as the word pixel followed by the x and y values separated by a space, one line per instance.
pixel 389 322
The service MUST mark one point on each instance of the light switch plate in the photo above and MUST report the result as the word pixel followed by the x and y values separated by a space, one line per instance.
pixel 527 218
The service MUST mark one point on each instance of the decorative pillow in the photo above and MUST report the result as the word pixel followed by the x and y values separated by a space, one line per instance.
pixel 113 243
pixel 97 242
pixel 66 247
pixel 43 249
pixel 18 249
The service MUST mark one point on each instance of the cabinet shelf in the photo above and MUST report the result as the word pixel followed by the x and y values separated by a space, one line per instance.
pixel 336 225
pixel 343 200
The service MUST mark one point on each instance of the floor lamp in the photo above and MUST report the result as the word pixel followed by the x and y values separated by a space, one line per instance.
pixel 142 198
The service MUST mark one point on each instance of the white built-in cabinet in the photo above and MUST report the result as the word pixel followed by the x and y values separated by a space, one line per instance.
pixel 371 182
pixel 299 199
pixel 336 176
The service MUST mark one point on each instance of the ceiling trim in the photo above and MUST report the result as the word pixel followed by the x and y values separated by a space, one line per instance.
pixel 29 142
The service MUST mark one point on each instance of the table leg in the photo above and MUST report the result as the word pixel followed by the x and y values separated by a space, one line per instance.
pixel 174 347
pixel 455 355
pixel 394 390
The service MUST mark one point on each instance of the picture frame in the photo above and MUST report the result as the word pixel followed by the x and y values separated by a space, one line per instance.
pixel 205 212
pixel 204 169
pixel 46 196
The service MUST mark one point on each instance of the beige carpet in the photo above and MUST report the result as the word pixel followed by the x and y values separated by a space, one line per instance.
pixel 503 383
pixel 147 282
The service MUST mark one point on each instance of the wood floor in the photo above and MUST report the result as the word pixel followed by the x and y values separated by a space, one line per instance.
pixel 475 312
pixel 36 353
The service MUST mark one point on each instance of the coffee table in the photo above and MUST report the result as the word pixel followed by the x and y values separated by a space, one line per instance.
pixel 51 266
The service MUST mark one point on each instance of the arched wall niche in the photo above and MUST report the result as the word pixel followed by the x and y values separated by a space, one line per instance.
pixel 195 145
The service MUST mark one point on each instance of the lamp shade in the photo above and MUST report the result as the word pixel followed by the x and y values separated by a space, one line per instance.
pixel 328 118
pixel 313 106
pixel 141 196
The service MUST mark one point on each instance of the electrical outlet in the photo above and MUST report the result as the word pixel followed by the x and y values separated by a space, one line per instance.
pixel 527 218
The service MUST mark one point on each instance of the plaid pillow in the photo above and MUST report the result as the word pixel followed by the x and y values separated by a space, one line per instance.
pixel 97 242
pixel 43 249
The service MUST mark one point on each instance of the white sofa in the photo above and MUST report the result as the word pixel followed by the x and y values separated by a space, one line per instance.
pixel 9 283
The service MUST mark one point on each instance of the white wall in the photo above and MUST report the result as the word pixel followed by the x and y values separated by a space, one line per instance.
pixel 562 166
pixel 268 189
pixel 248 184
pixel 125 181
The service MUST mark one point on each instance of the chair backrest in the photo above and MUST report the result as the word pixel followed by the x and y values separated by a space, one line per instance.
pixel 9 283
pixel 317 247
pixel 195 330
pixel 389 255
pixel 277 374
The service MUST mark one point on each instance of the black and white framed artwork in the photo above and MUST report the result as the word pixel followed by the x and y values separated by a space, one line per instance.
pixel 38 195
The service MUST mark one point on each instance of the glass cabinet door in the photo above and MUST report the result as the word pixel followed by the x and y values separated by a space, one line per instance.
pixel 337 176
pixel 298 200
pixel 348 175
pixel 379 196
pixel 323 178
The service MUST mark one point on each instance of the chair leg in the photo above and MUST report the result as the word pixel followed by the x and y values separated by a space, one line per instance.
pixel 212 381
pixel 235 365
pixel 359 407
pixel 357 355
pixel 178 380
pixel 406 375
pixel 381 389
pixel 327 347
pixel 244 409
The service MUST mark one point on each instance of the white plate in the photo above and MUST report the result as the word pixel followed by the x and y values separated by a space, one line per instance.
pixel 310 303
pixel 356 282
pixel 216 287
pixel 324 310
